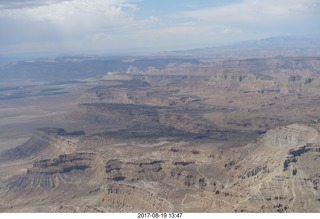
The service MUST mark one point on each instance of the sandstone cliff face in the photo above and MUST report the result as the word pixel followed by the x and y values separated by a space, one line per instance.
pixel 48 174
pixel 45 142
pixel 62 164
pixel 134 117
pixel 182 173
pixel 188 138
pixel 287 75
pixel 266 98
pixel 277 173
pixel 282 166
pixel 136 90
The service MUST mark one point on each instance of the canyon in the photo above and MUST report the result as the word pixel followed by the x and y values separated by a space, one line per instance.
pixel 236 135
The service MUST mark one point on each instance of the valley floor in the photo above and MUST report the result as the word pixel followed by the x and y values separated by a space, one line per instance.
pixel 186 138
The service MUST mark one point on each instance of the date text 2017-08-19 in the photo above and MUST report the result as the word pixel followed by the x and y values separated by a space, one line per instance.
pixel 159 215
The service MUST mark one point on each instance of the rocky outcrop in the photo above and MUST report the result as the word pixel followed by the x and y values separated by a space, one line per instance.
pixel 45 173
pixel 298 152
pixel 54 141
pixel 254 171
pixel 62 164
pixel 122 197
pixel 315 179
pixel 176 138
pixel 183 174
pixel 118 170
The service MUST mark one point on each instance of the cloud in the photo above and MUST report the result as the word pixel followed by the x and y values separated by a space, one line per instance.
pixel 62 20
pixel 78 25
pixel 268 15
pixel 15 4
pixel 67 10
pixel 251 10
pixel 113 25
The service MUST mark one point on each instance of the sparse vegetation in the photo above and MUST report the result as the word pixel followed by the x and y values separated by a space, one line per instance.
pixel 223 136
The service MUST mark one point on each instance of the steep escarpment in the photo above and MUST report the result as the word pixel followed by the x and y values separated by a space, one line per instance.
pixel 44 173
pixel 233 136
pixel 276 173
pixel 44 142
pixel 62 164
pixel 279 172
pixel 182 173
pixel 245 100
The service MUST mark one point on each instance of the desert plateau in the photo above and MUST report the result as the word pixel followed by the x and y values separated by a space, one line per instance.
pixel 166 133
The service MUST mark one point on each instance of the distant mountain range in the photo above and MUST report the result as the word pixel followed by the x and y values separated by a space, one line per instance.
pixel 268 47
pixel 282 42
pixel 70 68
pixel 79 67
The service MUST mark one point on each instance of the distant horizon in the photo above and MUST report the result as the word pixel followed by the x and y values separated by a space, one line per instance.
pixel 53 55
pixel 146 26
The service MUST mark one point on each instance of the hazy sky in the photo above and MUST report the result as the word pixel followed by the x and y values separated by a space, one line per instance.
pixel 113 26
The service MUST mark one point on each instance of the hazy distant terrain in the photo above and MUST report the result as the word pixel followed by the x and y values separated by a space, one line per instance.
pixel 232 129
pixel 72 68
pixel 282 46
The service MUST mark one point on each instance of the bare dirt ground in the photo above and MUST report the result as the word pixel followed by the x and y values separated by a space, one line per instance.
pixel 21 116
pixel 189 138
